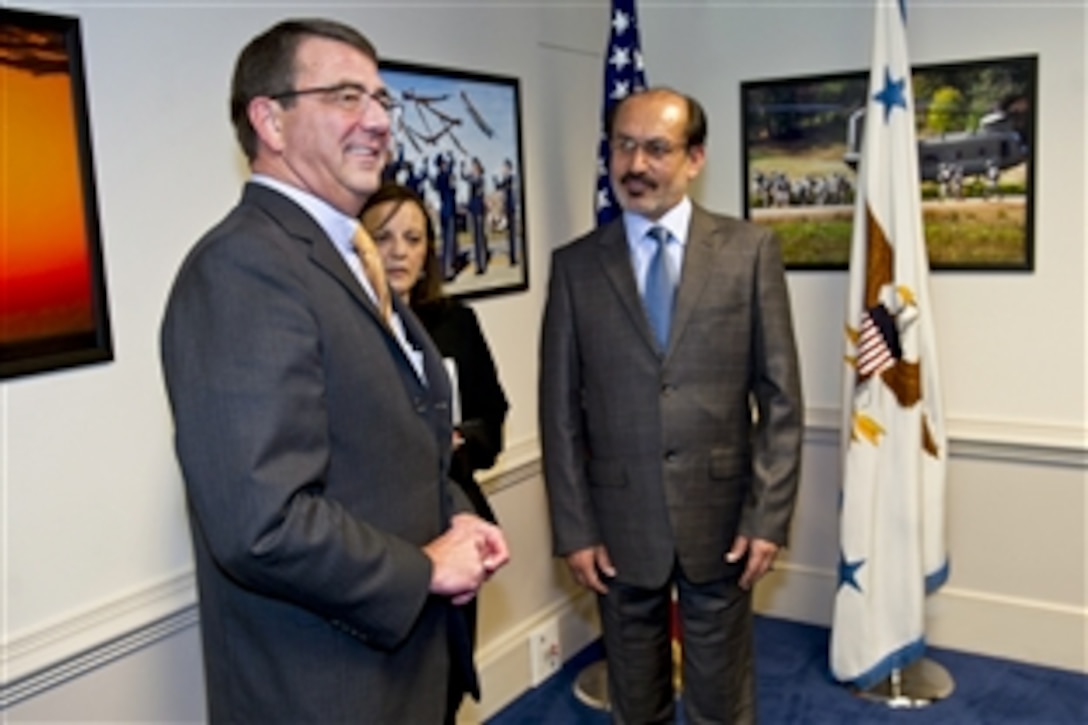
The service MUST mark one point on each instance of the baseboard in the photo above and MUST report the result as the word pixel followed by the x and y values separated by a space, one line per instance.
pixel 1025 630
pixel 504 663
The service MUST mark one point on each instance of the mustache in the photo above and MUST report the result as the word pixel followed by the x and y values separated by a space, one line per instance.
pixel 641 178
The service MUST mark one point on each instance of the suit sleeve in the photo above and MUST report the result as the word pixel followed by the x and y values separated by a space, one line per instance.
pixel 562 423
pixel 242 362
pixel 776 391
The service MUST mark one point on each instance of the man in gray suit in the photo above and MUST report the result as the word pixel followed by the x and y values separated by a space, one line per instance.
pixel 670 416
pixel 312 426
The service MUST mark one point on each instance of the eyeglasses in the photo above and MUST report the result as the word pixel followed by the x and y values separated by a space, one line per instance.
pixel 655 148
pixel 349 97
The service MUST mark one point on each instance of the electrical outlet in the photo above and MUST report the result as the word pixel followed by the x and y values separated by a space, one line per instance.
pixel 545 657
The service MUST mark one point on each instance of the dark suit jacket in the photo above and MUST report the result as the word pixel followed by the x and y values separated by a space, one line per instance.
pixel 314 461
pixel 659 456
pixel 457 334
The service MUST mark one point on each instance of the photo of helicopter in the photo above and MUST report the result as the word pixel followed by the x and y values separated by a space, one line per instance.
pixel 975 124
pixel 995 145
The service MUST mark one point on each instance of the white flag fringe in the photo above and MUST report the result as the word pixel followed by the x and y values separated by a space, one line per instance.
pixel 892 548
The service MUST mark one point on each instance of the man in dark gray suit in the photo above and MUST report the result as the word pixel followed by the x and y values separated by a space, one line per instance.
pixel 671 419
pixel 312 425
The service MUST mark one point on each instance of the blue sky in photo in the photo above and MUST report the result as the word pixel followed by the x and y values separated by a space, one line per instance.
pixel 496 102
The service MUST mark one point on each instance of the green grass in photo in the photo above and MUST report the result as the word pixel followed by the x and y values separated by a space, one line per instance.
pixel 957 233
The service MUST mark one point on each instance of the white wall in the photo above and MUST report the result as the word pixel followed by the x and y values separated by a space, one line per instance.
pixel 94 543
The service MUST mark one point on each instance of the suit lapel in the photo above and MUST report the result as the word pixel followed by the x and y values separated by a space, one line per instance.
pixel 615 258
pixel 324 254
pixel 437 391
pixel 433 369
pixel 703 244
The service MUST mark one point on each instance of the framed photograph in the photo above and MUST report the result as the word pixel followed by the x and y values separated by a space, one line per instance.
pixel 457 141
pixel 53 310
pixel 976 147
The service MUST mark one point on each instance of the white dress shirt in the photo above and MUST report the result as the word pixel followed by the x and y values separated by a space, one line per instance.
pixel 677 221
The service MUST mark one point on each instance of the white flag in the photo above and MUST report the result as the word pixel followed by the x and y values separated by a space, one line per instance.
pixel 892 549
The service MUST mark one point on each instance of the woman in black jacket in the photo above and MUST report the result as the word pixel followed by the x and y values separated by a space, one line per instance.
pixel 397 219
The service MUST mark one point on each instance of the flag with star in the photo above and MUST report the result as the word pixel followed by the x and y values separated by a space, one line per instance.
pixel 891 527
pixel 623 73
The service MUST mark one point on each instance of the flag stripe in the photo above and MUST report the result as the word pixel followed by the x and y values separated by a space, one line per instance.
pixel 873 353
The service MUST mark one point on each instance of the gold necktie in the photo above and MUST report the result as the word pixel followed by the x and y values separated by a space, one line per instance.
pixel 372 268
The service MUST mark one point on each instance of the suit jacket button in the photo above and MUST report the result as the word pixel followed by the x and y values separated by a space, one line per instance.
pixel 670 456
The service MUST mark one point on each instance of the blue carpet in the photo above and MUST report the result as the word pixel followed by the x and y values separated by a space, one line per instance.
pixel 795 688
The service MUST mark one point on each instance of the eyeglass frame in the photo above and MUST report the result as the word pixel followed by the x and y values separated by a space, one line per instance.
pixel 382 96
pixel 655 149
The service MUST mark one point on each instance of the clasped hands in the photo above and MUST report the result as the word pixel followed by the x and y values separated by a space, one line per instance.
pixel 589 564
pixel 465 556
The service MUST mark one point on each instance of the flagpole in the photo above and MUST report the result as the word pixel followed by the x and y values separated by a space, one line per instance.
pixel 591 686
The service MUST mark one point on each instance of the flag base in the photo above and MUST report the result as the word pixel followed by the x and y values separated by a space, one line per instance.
pixel 919 684
pixel 591 685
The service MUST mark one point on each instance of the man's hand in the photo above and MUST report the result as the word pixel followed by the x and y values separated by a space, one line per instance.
pixel 493 550
pixel 462 558
pixel 588 564
pixel 761 554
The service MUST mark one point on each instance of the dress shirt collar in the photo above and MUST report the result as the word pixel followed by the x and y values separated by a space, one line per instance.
pixel 338 226
pixel 677 220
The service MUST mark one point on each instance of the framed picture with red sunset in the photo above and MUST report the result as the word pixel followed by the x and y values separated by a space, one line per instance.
pixel 53 308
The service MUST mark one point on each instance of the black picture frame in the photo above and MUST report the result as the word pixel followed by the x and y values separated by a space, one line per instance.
pixel 459 132
pixel 801 139
pixel 53 307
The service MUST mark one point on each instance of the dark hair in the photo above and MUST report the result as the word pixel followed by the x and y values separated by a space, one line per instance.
pixel 694 132
pixel 428 288
pixel 266 66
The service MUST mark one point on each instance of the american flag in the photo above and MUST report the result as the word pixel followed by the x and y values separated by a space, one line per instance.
pixel 878 342
pixel 623 73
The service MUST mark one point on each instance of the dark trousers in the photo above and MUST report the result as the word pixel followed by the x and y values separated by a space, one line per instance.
pixel 448 227
pixel 479 236
pixel 457 687
pixel 468 484
pixel 716 626
pixel 511 231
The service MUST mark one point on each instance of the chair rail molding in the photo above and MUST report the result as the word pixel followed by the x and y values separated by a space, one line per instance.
pixel 1001 440
pixel 42 658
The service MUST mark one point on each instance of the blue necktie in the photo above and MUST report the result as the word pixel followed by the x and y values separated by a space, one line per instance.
pixel 660 290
